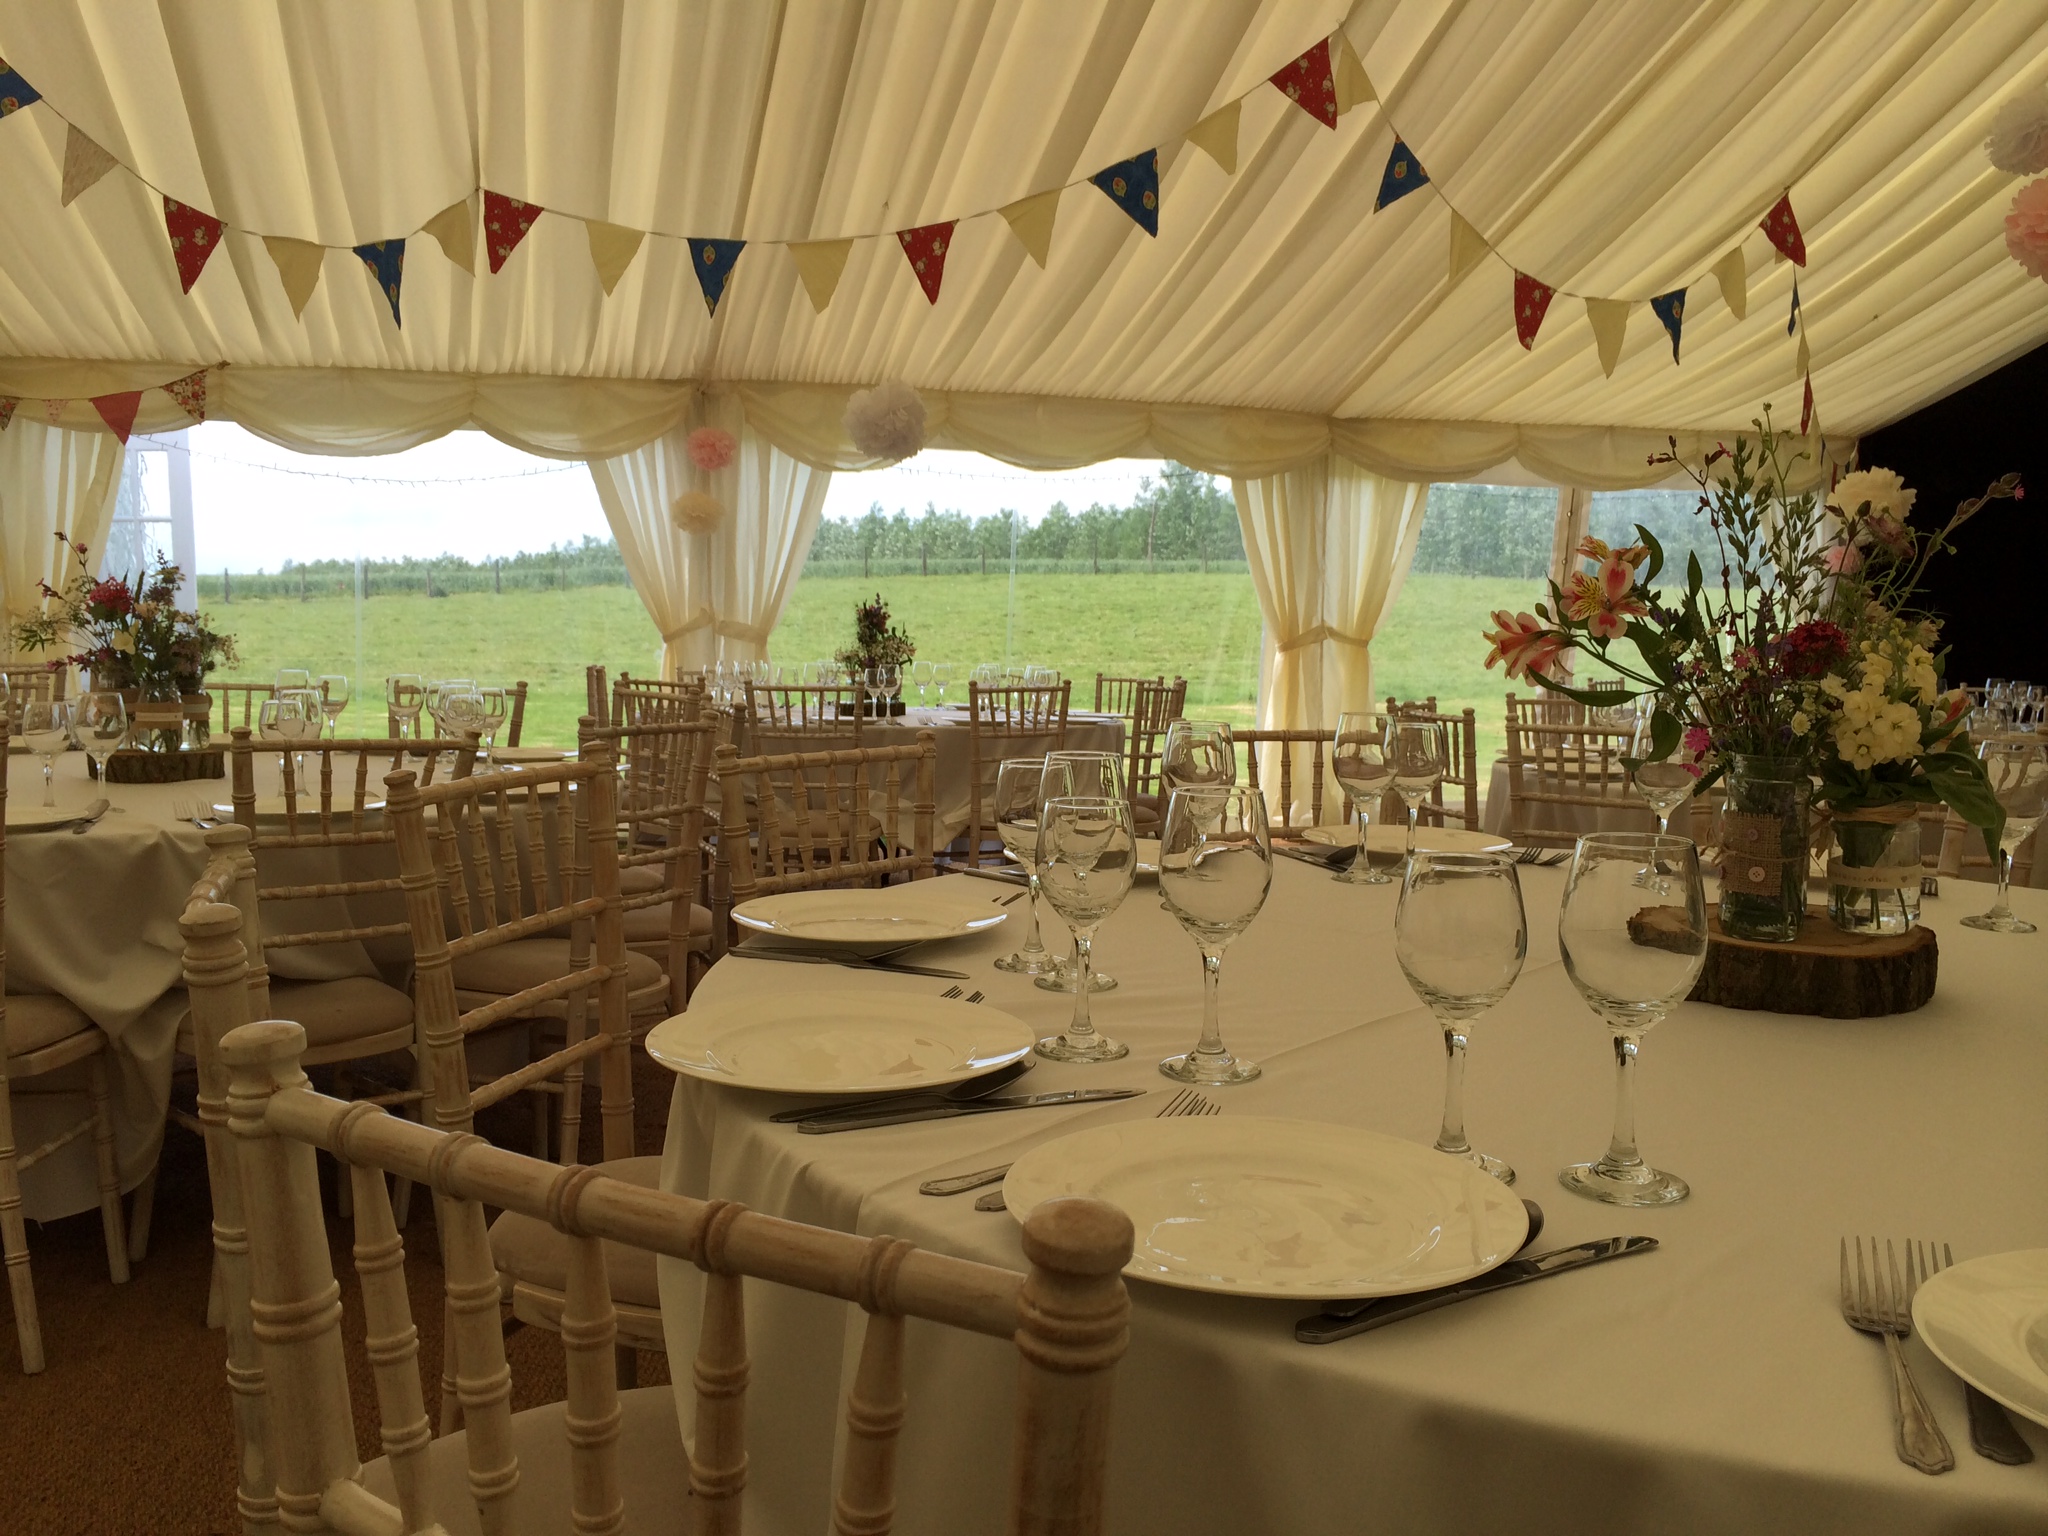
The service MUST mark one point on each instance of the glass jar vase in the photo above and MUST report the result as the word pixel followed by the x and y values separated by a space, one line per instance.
pixel 1764 847
pixel 1874 875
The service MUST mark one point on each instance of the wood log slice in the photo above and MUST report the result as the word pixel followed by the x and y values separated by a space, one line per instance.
pixel 1824 972
pixel 129 766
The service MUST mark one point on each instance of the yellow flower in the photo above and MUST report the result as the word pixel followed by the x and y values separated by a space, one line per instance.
pixel 124 642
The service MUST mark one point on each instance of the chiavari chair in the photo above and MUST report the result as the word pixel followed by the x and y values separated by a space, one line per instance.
pixel 1154 705
pixel 597 698
pixel 1118 695
pixel 1280 751
pixel 803 717
pixel 1004 722
pixel 38 681
pixel 247 696
pixel 1461 770
pixel 1567 762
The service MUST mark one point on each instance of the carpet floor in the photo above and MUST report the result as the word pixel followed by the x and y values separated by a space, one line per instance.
pixel 128 1428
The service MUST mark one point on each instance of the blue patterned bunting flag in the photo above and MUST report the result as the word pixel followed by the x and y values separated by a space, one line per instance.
pixel 386 261
pixel 1404 173
pixel 712 261
pixel 15 92
pixel 1670 308
pixel 1133 185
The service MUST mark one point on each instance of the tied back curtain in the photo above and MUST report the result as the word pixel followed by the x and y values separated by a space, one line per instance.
pixel 717 595
pixel 51 481
pixel 1329 544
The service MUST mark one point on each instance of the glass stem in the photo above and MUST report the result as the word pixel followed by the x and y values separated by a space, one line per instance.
pixel 1211 1044
pixel 1033 946
pixel 1452 1137
pixel 1621 1151
pixel 1413 808
pixel 49 779
pixel 2004 881
pixel 1082 1030
pixel 1663 823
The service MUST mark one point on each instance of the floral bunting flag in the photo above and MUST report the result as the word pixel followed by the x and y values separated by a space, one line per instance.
pixel 1670 308
pixel 15 92
pixel 819 263
pixel 1133 185
pixel 7 405
pixel 53 410
pixel 193 236
pixel 190 393
pixel 1532 300
pixel 1783 230
pixel 506 222
pixel 1311 85
pixel 925 249
pixel 84 163
pixel 1404 173
pixel 118 411
pixel 712 260
pixel 386 261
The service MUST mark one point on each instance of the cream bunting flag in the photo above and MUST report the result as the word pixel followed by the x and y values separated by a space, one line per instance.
pixel 84 163
pixel 1805 353
pixel 1216 137
pixel 298 268
pixel 1352 85
pixel 1030 220
pixel 1467 246
pixel 455 227
pixel 1609 319
pixel 612 249
pixel 1733 274
pixel 819 263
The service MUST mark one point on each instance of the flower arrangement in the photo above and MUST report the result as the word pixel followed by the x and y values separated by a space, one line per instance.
pixel 876 643
pixel 130 632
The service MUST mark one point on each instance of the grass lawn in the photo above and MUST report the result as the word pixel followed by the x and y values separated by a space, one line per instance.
pixel 1204 627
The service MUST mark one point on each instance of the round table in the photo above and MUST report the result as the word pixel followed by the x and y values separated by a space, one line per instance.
pixel 1710 1386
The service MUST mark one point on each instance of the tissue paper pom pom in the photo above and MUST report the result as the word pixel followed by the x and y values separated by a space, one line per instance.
pixel 2026 228
pixel 695 512
pixel 2019 135
pixel 712 448
pixel 886 422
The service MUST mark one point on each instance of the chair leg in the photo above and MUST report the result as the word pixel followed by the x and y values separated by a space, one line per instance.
pixel 401 1195
pixel 216 1299
pixel 14 1242
pixel 111 1224
pixel 140 1209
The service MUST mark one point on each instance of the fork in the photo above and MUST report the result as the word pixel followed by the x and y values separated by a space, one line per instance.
pixel 1187 1104
pixel 1885 1309
pixel 954 991
pixel 1992 1434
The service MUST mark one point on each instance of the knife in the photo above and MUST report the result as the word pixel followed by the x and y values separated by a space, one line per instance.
pixel 1992 1434
pixel 93 813
pixel 971 1107
pixel 973 1088
pixel 796 957
pixel 1335 858
pixel 1325 1328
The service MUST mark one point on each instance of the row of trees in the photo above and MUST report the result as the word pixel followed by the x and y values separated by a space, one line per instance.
pixel 592 563
pixel 1506 530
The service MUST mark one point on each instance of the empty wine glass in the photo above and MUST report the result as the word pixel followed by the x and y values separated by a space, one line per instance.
pixel 2018 773
pixel 1358 761
pixel 46 731
pixel 1087 856
pixel 1460 935
pixel 404 696
pixel 1215 867
pixel 100 722
pixel 1017 799
pixel 333 699
pixel 1086 776
pixel 1417 754
pixel 1633 933
pixel 921 675
pixel 1664 779
pixel 293 677
pixel 1197 754
pixel 884 683
pixel 942 675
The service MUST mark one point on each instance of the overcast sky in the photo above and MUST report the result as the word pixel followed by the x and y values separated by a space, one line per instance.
pixel 256 505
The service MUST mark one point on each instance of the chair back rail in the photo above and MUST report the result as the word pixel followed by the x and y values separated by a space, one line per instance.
pixel 1565 762
pixel 1068 1316
pixel 597 698
pixel 245 695
pixel 802 717
pixel 1461 739
pixel 1270 765
pixel 515 718
pixel 1006 721
pixel 1154 705
pixel 1118 695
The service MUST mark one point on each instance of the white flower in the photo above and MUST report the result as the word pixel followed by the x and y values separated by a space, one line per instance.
pixel 2018 143
pixel 123 641
pixel 1801 722
pixel 1867 493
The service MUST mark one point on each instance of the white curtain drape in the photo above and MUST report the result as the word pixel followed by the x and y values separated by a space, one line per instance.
pixel 1329 545
pixel 51 481
pixel 713 596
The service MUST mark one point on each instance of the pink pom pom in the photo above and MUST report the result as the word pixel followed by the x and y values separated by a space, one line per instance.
pixel 712 448
pixel 2026 228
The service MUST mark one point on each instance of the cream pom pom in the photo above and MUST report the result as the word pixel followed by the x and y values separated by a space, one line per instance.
pixel 712 448
pixel 886 422
pixel 696 512
pixel 2019 135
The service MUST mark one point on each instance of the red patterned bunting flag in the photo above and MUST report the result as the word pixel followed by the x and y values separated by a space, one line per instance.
pixel 118 411
pixel 193 237
pixel 925 249
pixel 506 222
pixel 7 405
pixel 190 393
pixel 1311 85
pixel 1783 229
pixel 1532 300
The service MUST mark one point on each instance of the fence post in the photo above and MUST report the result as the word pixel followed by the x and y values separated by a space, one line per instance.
pixel 226 593
pixel 497 576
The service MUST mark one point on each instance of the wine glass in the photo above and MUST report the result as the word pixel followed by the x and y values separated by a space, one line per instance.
pixel 1087 856
pixel 333 699
pixel 1197 754
pixel 921 675
pixel 46 731
pixel 1633 932
pixel 1215 867
pixel 1358 761
pixel 100 721
pixel 1017 798
pixel 942 674
pixel 404 695
pixel 1087 776
pixel 1664 780
pixel 293 677
pixel 1460 935
pixel 1417 754
pixel 2018 773
pixel 884 683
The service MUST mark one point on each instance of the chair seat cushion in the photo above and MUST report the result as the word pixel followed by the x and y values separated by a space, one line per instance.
pixel 37 1019
pixel 336 1012
pixel 524 963
pixel 639 879
pixel 649 925
pixel 530 1250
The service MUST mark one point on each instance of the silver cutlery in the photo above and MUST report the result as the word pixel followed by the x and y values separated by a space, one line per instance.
pixel 852 962
pixel 1008 899
pixel 1328 860
pixel 93 813
pixel 960 1183
pixel 1885 1309
pixel 954 991
pixel 1337 1310
pixel 992 1201
pixel 1187 1104
pixel 959 1093
pixel 1006 875
pixel 822 1126
pixel 1992 1432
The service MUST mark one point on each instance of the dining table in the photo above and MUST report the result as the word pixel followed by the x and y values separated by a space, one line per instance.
pixel 1708 1386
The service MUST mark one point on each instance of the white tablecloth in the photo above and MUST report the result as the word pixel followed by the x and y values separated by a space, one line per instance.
pixel 1544 816
pixel 1710 1386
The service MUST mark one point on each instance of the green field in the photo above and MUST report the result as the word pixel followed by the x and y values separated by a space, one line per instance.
pixel 1204 627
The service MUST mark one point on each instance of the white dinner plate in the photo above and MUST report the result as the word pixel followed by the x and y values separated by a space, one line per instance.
pixel 839 1042
pixel 1394 839
pixel 1282 1208
pixel 309 805
pixel 24 815
pixel 1987 1320
pixel 887 919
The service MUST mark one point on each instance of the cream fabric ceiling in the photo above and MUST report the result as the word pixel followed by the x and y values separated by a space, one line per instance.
pixel 1608 146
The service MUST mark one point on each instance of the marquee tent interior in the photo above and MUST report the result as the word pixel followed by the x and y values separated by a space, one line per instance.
pixel 1277 329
